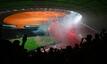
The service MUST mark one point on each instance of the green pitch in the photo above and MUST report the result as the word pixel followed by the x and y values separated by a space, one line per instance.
pixel 35 42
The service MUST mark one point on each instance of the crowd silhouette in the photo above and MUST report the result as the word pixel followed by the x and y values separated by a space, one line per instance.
pixel 91 50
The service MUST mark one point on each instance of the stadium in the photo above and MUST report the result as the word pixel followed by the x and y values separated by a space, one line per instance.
pixel 53 31
pixel 49 26
pixel 37 23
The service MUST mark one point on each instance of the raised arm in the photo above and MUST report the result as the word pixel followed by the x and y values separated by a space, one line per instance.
pixel 24 39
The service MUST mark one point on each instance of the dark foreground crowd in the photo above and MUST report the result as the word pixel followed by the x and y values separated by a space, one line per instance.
pixel 92 50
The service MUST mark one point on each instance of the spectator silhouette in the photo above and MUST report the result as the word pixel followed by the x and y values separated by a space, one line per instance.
pixel 5 48
pixel 97 38
pixel 103 33
pixel 89 38
pixel 19 52
pixel 88 41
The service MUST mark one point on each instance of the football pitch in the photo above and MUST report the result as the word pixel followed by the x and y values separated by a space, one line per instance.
pixel 35 42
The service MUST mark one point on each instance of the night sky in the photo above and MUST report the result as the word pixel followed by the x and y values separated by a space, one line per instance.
pixel 94 11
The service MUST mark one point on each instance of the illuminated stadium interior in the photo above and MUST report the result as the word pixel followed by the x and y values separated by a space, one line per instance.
pixel 53 31
pixel 56 28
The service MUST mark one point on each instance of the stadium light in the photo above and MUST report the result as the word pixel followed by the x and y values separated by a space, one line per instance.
pixel 78 19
